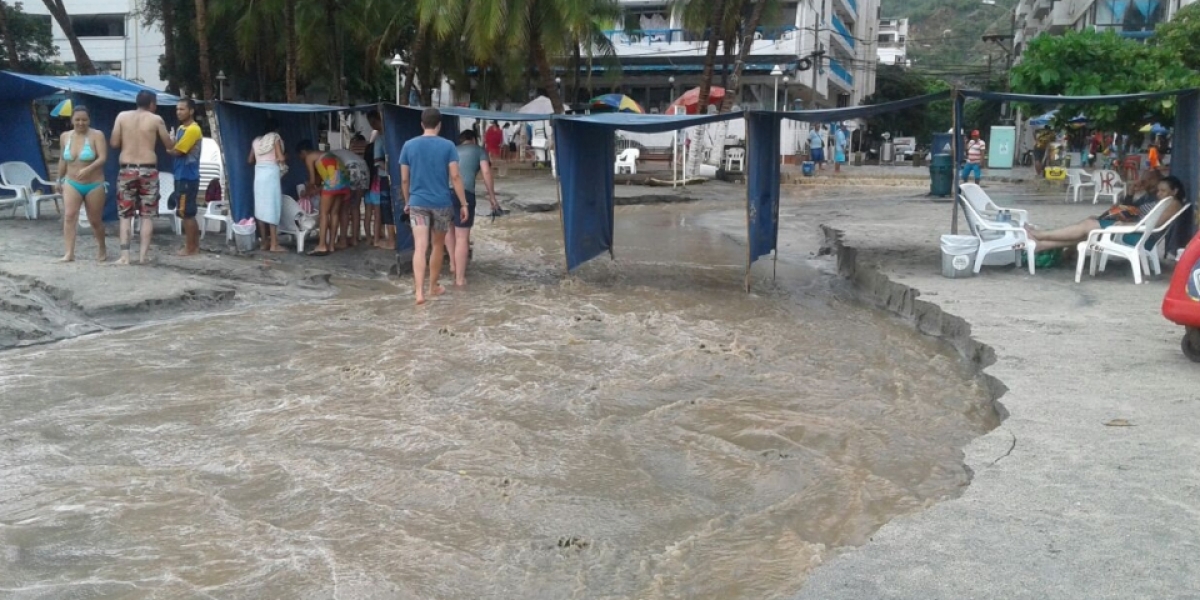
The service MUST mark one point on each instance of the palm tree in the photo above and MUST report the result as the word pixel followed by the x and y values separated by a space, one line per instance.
pixel 202 46
pixel 256 24
pixel 83 63
pixel 290 52
pixel 10 43
pixel 747 40
pixel 712 14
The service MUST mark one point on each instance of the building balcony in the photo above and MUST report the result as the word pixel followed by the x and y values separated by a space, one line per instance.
pixel 1024 7
pixel 768 41
pixel 1041 8
pixel 849 7
pixel 843 33
pixel 839 76
pixel 1062 18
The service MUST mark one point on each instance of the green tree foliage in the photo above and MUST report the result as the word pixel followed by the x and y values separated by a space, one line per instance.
pixel 29 36
pixel 1181 36
pixel 944 36
pixel 892 83
pixel 1088 63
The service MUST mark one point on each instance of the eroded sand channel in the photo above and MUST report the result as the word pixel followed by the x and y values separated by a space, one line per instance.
pixel 645 430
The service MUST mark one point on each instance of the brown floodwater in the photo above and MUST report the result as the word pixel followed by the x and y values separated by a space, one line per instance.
pixel 644 429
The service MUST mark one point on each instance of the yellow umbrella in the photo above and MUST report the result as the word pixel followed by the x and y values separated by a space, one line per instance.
pixel 63 109
pixel 1145 129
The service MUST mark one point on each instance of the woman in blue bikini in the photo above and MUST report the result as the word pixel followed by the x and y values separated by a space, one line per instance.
pixel 81 180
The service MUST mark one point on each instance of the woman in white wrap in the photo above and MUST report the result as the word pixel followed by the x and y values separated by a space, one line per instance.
pixel 266 154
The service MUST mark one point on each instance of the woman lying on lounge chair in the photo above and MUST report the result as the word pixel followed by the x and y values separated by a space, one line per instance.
pixel 1169 187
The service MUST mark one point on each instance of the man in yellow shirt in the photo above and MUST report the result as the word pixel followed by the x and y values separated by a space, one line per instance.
pixel 188 140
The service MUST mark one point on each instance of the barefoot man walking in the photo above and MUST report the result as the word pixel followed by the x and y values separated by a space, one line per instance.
pixel 426 162
pixel 135 133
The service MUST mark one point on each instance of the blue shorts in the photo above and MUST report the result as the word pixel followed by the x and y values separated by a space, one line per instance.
pixel 972 168
pixel 183 200
pixel 818 155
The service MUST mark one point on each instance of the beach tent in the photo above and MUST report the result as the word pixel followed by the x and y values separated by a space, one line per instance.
pixel 538 106
pixel 585 150
pixel 238 123
pixel 402 123
pixel 1185 159
pixel 105 96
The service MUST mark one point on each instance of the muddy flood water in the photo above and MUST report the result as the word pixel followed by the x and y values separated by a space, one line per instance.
pixel 642 430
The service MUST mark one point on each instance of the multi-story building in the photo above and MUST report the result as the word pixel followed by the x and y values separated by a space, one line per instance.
pixel 1131 18
pixel 659 59
pixel 112 32
pixel 892 41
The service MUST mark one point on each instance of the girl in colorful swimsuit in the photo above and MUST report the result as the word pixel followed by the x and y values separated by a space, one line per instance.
pixel 81 181
pixel 326 171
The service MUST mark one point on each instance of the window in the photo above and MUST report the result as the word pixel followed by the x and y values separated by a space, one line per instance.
pixel 885 38
pixel 90 26
pixel 843 100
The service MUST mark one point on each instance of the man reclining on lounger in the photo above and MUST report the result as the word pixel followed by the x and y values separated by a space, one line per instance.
pixel 1148 191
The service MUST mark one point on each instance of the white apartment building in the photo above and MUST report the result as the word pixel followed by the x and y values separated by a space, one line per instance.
pixel 114 36
pixel 658 58
pixel 1131 18
pixel 893 41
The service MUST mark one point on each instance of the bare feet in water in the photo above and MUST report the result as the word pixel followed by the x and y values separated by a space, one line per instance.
pixel 66 258
pixel 101 256
pixel 277 249
pixel 437 290
pixel 186 252
pixel 124 260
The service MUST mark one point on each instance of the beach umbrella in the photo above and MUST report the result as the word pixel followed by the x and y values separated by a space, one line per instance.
pixel 615 103
pixel 690 100
pixel 62 109
pixel 1043 120
pixel 1156 129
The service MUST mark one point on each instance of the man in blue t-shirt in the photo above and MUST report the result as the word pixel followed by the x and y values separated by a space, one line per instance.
pixel 426 162
pixel 188 140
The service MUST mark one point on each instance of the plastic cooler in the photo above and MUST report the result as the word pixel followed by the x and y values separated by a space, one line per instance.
pixel 807 168
pixel 1181 305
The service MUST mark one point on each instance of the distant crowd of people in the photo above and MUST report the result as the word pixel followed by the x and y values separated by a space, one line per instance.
pixel 437 188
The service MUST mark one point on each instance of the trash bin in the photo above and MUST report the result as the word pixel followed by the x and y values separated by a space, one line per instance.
pixel 941 175
pixel 941 144
pixel 243 235
pixel 958 255
pixel 807 168
pixel 887 152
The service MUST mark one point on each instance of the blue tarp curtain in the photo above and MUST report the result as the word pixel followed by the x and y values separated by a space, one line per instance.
pixel 762 184
pixel 238 123
pixel 104 95
pixel 585 147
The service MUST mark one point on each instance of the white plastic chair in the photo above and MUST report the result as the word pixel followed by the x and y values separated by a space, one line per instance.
pixel 1077 180
pixel 985 208
pixel 16 200
pixel 1108 183
pixel 20 178
pixel 289 222
pixel 735 156
pixel 1143 257
pixel 218 212
pixel 627 161
pixel 998 237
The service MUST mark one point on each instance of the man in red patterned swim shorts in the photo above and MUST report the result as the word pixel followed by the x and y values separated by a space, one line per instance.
pixel 135 134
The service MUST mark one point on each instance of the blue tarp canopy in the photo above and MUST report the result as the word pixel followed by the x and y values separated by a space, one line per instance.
pixel 238 123
pixel 487 115
pixel 105 97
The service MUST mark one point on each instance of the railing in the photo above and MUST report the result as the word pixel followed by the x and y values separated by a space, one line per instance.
pixel 841 28
pixel 841 71
pixel 671 36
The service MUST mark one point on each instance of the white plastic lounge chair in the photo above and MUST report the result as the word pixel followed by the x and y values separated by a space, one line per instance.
pixel 999 237
pixel 20 178
pixel 1108 183
pixel 1077 181
pixel 735 156
pixel 293 223
pixel 219 213
pixel 14 199
pixel 1143 257
pixel 986 209
pixel 627 161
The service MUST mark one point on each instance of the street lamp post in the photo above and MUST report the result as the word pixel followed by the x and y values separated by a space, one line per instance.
pixel 776 73
pixel 221 84
pixel 397 64
pixel 558 88
pixel 785 92
pixel 450 87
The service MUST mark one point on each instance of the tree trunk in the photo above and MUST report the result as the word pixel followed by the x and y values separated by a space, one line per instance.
pixel 83 63
pixel 289 34
pixel 573 97
pixel 202 45
pixel 710 57
pixel 168 58
pixel 735 80
pixel 260 71
pixel 411 79
pixel 545 71
pixel 10 43
pixel 335 70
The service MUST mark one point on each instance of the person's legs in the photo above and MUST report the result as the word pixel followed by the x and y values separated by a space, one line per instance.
pixel 1071 234
pixel 435 264
pixel 369 223
pixel 450 237
pixel 148 179
pixel 462 247
pixel 94 204
pixel 420 222
pixel 74 202
pixel 356 200
pixel 339 203
pixel 186 209
pixel 128 196
pixel 324 223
